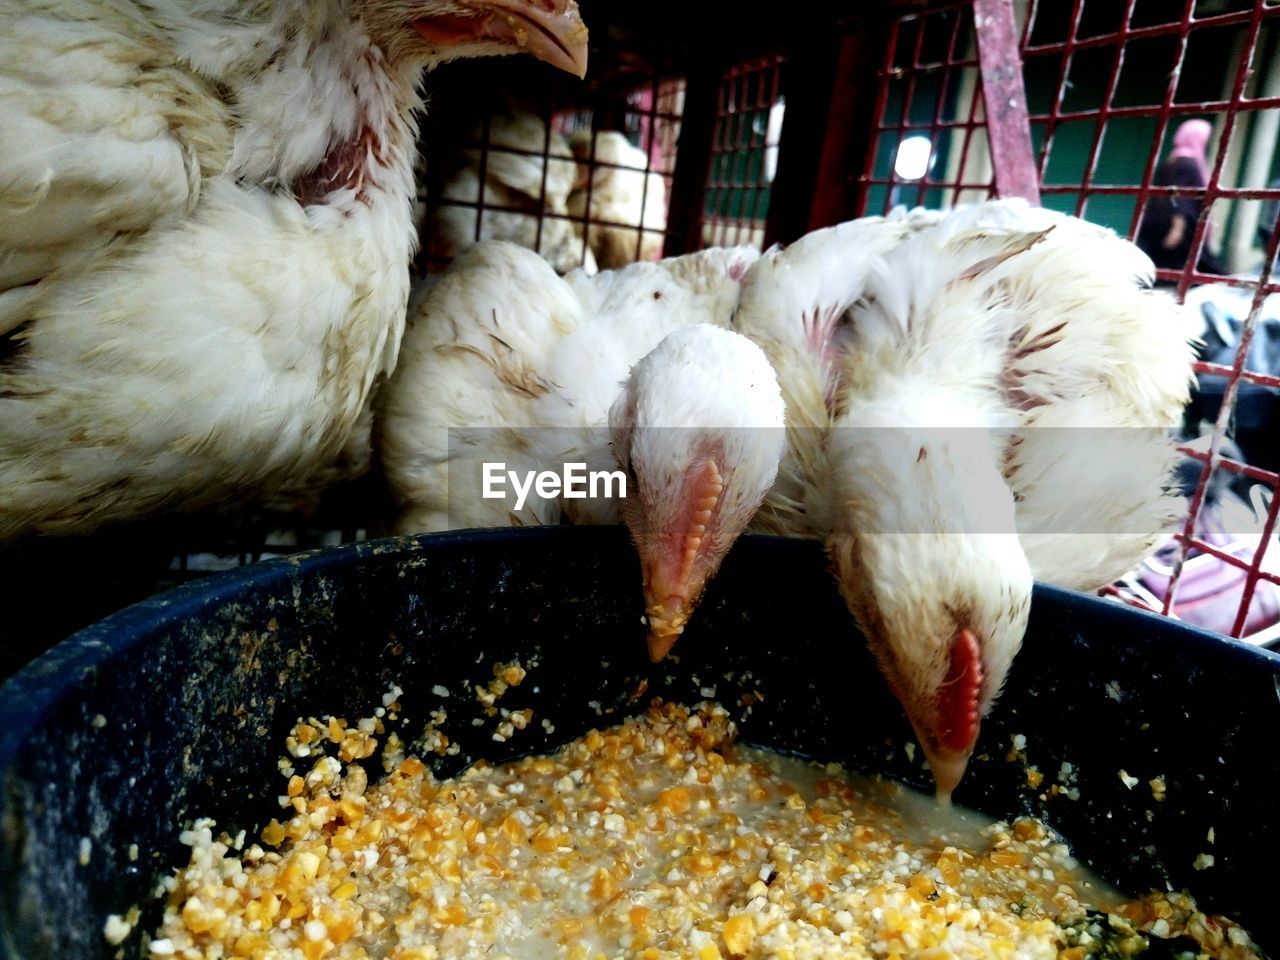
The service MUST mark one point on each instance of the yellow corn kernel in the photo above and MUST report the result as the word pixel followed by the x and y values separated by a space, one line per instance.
pixel 703 863
pixel 603 886
pixel 352 809
pixel 1005 858
pixel 513 830
pixel 451 916
pixel 341 928
pixel 922 886
pixel 370 832
pixel 415 953
pixel 571 929
pixel 412 767
pixel 1025 829
pixel 273 833
pixel 739 934
pixel 675 800
pixel 200 919
pixel 543 841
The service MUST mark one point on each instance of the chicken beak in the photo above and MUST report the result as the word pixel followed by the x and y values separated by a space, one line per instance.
pixel 948 738
pixel 551 30
pixel 667 618
pixel 948 769
pixel 947 764
pixel 678 563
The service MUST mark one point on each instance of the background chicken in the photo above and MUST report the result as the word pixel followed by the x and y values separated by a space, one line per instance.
pixel 205 236
pixel 623 198
pixel 505 362
pixel 999 384
pixel 520 190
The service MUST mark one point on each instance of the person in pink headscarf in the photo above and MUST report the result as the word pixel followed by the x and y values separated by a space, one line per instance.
pixel 1169 222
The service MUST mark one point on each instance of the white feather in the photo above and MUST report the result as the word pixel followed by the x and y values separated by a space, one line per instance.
pixel 204 244
pixel 1004 386
pixel 531 364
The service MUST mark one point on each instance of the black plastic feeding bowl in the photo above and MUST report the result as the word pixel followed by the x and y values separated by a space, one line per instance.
pixel 178 707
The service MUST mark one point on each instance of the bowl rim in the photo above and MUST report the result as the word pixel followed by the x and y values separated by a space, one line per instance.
pixel 27 697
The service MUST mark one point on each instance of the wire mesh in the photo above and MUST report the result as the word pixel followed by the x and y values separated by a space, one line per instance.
pixel 617 209
pixel 931 146
pixel 581 174
pixel 1107 86
pixel 744 152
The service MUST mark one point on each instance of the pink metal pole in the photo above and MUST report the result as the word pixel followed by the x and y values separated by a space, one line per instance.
pixel 1005 100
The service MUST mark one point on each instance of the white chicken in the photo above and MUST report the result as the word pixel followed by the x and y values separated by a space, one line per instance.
pixel 795 304
pixel 205 235
pixel 520 189
pixel 506 363
pixel 627 216
pixel 998 384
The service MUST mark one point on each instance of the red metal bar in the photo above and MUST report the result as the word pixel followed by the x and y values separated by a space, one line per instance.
pixel 882 102
pixel 1246 334
pixel 1197 108
pixel 968 142
pixel 908 97
pixel 1244 71
pixel 1142 33
pixel 940 105
pixel 1162 122
pixel 1222 193
pixel 1203 546
pixel 1067 48
pixel 1104 111
pixel 1232 466
pixel 1005 99
pixel 1254 573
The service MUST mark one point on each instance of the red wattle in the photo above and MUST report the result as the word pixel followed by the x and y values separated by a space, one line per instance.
pixel 960 694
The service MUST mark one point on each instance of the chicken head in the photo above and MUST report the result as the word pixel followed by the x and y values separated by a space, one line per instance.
pixel 436 31
pixel 700 429
pixel 923 531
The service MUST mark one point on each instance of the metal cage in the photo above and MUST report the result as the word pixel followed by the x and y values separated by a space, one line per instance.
pixel 1082 126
